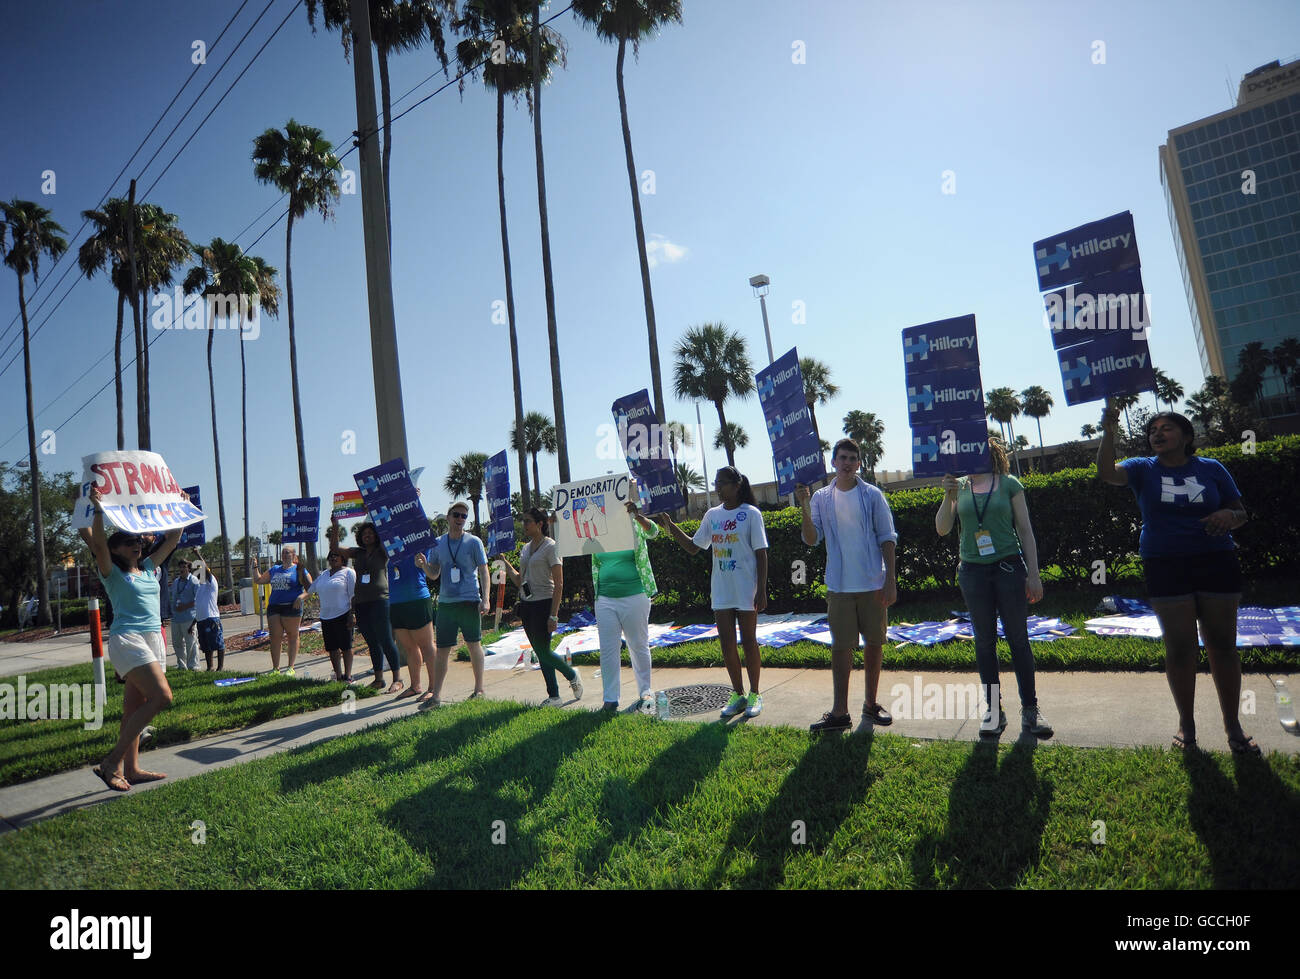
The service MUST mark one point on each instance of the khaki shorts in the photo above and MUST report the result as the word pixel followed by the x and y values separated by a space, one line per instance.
pixel 129 650
pixel 853 614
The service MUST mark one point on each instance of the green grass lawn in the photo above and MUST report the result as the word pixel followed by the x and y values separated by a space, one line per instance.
pixel 31 749
pixel 585 799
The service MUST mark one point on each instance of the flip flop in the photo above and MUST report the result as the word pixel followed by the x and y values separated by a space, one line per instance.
pixel 396 686
pixel 408 692
pixel 112 779
pixel 1244 745
pixel 140 777
pixel 1184 744
pixel 376 685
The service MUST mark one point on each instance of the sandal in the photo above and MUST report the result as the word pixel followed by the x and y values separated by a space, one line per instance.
pixel 140 777
pixel 409 692
pixel 396 686
pixel 376 685
pixel 1184 744
pixel 1244 744
pixel 112 780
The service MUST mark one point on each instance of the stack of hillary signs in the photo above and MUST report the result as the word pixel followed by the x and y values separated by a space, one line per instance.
pixel 394 508
pixel 796 450
pixel 1091 277
pixel 300 520
pixel 945 398
pixel 501 523
pixel 194 534
pixel 649 456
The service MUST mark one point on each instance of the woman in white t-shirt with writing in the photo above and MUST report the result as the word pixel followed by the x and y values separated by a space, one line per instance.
pixel 736 534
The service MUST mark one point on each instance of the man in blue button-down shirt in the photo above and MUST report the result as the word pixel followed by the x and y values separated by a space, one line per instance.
pixel 854 519
pixel 183 593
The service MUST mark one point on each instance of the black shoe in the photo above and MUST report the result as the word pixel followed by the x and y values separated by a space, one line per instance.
pixel 877 714
pixel 831 723
pixel 986 728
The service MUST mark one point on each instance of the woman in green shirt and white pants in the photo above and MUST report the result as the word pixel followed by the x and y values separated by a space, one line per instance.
pixel 998 576
pixel 624 585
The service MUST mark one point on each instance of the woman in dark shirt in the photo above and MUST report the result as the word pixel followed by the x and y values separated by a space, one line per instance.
pixel 370 602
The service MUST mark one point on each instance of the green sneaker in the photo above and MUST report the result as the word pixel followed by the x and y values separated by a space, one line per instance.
pixel 289 672
pixel 735 705
pixel 754 705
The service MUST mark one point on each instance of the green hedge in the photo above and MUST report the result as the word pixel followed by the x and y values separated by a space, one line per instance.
pixel 1077 520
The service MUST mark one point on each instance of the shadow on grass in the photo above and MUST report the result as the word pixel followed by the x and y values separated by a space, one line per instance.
pixel 629 808
pixel 468 823
pixel 995 826
pixel 821 791
pixel 1249 828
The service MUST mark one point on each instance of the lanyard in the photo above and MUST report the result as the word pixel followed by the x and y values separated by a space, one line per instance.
pixel 454 554
pixel 979 514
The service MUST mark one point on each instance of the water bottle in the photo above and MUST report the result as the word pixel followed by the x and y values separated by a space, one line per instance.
pixel 661 704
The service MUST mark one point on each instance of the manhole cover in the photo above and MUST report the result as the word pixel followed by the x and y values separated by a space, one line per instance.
pixel 698 698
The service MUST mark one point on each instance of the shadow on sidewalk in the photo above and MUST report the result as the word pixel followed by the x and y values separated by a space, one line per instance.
pixel 996 817
pixel 1249 827
pixel 819 793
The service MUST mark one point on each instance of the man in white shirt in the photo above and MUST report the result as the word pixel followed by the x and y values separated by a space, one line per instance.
pixel 854 519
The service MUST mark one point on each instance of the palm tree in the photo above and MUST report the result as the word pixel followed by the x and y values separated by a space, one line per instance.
pixel 1089 431
pixel 539 436
pixel 1285 357
pixel 679 435
pixel 498 41
pixel 712 363
pixel 107 247
pixel 1207 405
pixel 1124 402
pixel 299 162
pixel 395 26
pixel 1253 362
pixel 546 52
pixel 817 387
pixel 1036 402
pixel 257 283
pixel 730 437
pixel 622 21
pixel 1002 406
pixel 465 479
pixel 868 431
pixel 1167 389
pixel 31 233
pixel 688 479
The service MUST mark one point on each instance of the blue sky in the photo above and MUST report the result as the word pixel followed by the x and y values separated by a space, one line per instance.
pixel 826 175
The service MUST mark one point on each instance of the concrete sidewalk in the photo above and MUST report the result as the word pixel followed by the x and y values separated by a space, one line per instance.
pixel 1087 709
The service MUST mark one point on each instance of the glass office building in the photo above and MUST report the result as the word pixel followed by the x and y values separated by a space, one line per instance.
pixel 1232 187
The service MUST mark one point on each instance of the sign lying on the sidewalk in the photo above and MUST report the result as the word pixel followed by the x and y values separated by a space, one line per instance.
pixel 137 491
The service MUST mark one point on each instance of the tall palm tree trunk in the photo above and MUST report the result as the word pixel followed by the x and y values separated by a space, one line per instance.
pixel 38 525
pixel 117 371
pixel 146 440
pixel 510 298
pixel 386 141
pixel 1039 422
pixel 561 437
pixel 726 436
pixel 293 371
pixel 216 452
pixel 656 381
pixel 537 483
pixel 141 426
pixel 243 432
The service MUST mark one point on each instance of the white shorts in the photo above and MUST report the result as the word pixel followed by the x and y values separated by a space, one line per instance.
pixel 131 649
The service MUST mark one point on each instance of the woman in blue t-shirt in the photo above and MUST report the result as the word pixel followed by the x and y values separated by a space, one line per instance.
pixel 1189 508
pixel 135 646
pixel 289 583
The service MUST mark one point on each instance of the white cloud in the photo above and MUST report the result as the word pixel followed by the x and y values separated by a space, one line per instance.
pixel 660 249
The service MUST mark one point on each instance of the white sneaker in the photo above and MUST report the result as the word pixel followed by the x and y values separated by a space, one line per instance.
pixel 576 685
pixel 551 702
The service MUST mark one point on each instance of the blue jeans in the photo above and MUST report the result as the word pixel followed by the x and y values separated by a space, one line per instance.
pixel 993 590
pixel 372 620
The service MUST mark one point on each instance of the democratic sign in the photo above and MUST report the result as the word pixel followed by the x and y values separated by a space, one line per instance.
pixel 1115 302
pixel 957 447
pixel 394 508
pixel 952 395
pixel 137 491
pixel 1108 245
pixel 593 517
pixel 943 345
pixel 501 522
pixel 648 452
pixel 300 520
pixel 348 506
pixel 1108 364
pixel 194 534
pixel 796 450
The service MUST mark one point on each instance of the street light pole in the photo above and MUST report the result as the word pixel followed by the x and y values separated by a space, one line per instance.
pixel 761 284
pixel 704 460
pixel 379 273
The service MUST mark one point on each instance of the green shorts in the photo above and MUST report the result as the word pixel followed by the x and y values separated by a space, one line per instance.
pixel 456 617
pixel 411 615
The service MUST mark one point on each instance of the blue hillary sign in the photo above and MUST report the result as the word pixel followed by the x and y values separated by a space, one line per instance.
pixel 1111 303
pixel 501 522
pixel 1107 364
pixel 957 447
pixel 799 462
pixel 941 346
pixel 300 520
pixel 394 507
pixel 796 450
pixel 648 452
pixel 955 395
pixel 1108 245
pixel 194 534
pixel 780 382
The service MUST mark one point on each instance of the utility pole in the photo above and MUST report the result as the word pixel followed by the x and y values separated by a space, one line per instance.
pixel 141 416
pixel 379 272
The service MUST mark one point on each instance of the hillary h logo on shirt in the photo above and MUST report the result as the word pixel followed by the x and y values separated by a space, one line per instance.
pixel 1190 488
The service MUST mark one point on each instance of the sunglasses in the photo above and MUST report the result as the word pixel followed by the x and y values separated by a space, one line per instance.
pixel 460 516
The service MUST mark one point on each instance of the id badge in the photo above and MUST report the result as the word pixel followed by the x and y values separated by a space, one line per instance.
pixel 455 576
pixel 365 579
pixel 984 541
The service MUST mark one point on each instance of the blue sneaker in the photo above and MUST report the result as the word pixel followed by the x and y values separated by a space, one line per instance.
pixel 735 705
